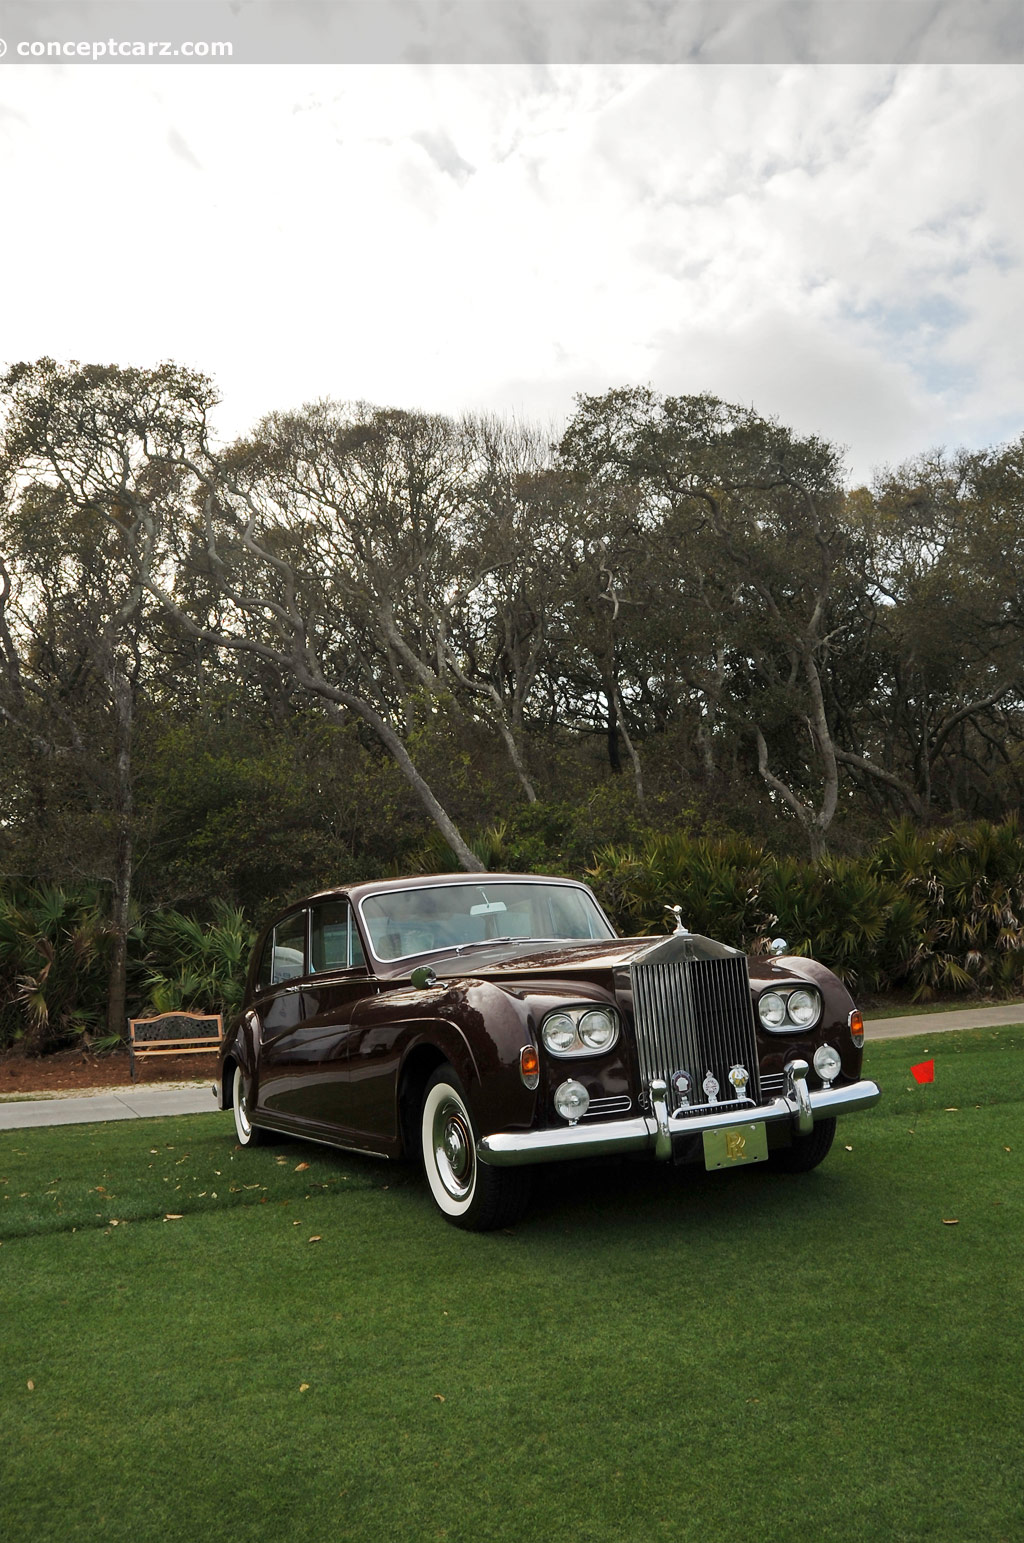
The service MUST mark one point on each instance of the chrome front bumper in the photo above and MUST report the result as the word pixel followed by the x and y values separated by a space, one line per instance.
pixel 799 1105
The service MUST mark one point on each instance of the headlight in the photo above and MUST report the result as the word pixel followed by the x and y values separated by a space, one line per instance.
pixel 581 1030
pixel 597 1029
pixel 559 1033
pixel 803 1008
pixel 827 1063
pixel 772 1009
pixel 787 1009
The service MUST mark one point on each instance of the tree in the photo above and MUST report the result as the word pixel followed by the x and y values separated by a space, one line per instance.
pixel 85 452
pixel 749 518
pixel 944 560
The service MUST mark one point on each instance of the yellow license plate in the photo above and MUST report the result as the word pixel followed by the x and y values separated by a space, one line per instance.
pixel 738 1144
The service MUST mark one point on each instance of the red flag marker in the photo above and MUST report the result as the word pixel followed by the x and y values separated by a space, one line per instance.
pixel 924 1071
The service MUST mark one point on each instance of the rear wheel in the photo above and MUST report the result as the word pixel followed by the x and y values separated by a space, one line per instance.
pixel 471 1194
pixel 249 1135
pixel 807 1151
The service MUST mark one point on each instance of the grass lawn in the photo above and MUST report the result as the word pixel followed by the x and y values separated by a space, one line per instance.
pixel 289 1344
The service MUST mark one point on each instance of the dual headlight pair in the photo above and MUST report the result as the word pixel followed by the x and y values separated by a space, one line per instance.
pixel 580 1030
pixel 798 1008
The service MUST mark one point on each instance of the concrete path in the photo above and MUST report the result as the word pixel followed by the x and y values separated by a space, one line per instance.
pixel 112 1104
pixel 936 1023
pixel 144 1103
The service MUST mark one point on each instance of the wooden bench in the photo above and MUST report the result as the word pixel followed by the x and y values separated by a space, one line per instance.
pixel 174 1034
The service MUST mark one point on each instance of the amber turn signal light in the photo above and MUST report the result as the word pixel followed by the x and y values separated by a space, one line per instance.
pixel 529 1065
pixel 857 1028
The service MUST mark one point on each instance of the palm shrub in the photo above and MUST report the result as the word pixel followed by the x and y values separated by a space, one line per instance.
pixel 54 946
pixel 196 967
pixel 929 912
pixel 968 884
pixel 836 910
pixel 717 884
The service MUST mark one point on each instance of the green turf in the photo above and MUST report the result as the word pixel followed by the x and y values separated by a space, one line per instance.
pixel 650 1354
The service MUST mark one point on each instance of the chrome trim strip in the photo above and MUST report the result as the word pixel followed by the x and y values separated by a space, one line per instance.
pixel 509 1149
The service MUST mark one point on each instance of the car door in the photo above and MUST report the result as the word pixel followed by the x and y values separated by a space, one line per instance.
pixel 337 981
pixel 284 1054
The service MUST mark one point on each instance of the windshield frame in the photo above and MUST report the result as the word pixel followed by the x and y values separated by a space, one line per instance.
pixel 472 881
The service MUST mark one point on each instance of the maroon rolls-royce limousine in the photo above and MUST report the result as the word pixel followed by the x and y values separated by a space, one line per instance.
pixel 486 1024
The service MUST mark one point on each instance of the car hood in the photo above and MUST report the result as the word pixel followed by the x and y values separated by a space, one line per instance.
pixel 533 958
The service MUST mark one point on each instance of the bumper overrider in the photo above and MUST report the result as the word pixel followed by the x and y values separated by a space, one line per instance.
pixel 798 1105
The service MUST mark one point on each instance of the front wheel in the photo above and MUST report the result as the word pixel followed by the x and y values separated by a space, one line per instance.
pixel 807 1151
pixel 471 1194
pixel 249 1135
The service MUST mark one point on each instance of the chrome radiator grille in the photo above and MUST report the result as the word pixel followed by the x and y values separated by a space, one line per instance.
pixel 695 1016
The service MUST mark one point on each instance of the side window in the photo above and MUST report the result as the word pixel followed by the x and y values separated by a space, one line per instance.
pixel 266 974
pixel 335 941
pixel 290 948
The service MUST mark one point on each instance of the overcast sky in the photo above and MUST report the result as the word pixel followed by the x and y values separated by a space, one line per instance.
pixel 838 245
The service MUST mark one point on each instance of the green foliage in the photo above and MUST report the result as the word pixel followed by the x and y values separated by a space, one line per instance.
pixel 930 913
pixel 54 963
pixel 198 967
pixel 54 948
pixel 936 913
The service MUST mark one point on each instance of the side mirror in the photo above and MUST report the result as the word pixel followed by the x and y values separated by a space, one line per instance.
pixel 778 946
pixel 422 977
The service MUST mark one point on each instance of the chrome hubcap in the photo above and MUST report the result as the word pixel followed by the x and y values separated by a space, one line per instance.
pixel 453 1150
pixel 241 1113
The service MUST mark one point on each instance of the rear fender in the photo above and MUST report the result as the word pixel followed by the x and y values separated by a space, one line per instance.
pixel 239 1050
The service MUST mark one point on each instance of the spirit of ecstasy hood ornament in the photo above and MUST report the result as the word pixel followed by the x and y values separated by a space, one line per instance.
pixel 677 912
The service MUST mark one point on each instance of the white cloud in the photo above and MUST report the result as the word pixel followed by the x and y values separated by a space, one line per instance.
pixel 839 246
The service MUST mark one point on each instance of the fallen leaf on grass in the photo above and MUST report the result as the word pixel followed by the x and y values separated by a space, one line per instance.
pixel 315 1238
pixel 301 1168
pixel 952 1109
pixel 951 1221
pixel 303 1387
pixel 174 1216
pixel 849 1149
pixel 30 1385
pixel 439 1397
pixel 1007 1149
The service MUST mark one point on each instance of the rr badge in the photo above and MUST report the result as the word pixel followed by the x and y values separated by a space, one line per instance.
pixel 735 1146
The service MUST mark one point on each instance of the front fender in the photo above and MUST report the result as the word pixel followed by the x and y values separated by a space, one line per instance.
pixel 480 1028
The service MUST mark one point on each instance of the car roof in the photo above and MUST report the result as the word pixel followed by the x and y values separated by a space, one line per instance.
pixel 357 892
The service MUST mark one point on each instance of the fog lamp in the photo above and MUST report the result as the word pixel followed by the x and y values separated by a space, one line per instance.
pixel 827 1063
pixel 572 1100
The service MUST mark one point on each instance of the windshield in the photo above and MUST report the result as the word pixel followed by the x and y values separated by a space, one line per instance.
pixel 416 921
